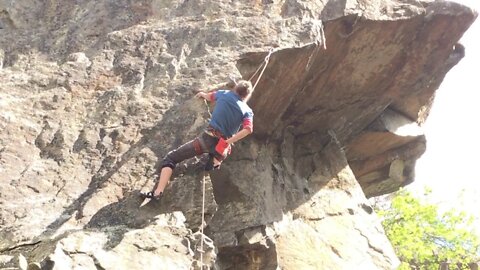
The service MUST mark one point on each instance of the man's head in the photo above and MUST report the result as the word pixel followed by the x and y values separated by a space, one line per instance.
pixel 244 89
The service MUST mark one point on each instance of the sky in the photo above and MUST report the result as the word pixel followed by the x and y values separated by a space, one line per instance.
pixel 451 164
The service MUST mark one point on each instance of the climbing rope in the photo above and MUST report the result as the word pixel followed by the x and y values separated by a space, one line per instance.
pixel 264 64
pixel 203 220
pixel 324 40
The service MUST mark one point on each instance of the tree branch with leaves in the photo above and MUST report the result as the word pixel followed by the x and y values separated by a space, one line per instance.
pixel 424 237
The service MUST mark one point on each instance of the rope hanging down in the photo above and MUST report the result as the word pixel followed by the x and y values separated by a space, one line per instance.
pixel 203 220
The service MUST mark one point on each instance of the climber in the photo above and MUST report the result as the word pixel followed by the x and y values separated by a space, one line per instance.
pixel 230 113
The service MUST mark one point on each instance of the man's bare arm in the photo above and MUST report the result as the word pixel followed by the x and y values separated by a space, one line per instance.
pixel 239 135
pixel 222 86
pixel 207 95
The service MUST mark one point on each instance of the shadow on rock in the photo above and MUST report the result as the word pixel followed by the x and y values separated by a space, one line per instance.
pixel 183 194
pixel 124 215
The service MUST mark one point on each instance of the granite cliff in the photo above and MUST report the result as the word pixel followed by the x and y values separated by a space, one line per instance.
pixel 94 93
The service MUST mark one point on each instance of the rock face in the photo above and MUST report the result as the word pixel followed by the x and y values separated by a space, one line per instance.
pixel 93 94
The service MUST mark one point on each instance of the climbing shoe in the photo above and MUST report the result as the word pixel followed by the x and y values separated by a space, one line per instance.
pixel 150 195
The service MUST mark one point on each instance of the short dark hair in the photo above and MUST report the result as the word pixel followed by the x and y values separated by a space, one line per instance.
pixel 243 89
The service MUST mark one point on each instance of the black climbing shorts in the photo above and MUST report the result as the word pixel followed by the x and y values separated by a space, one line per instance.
pixel 202 144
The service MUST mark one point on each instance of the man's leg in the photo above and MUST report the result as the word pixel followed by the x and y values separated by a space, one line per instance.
pixel 163 180
pixel 186 151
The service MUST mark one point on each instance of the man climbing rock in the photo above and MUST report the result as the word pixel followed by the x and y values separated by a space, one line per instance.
pixel 232 120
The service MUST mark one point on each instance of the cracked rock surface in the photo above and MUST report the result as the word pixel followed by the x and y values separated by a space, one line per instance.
pixel 93 94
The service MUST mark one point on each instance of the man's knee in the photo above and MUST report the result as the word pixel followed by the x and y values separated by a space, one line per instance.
pixel 168 161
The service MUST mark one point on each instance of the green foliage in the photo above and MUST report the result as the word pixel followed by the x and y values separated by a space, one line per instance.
pixel 423 237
